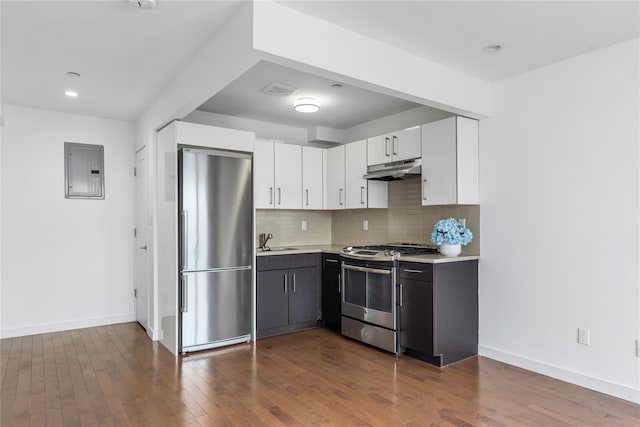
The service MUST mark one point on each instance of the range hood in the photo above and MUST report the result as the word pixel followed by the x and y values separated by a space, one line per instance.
pixel 394 170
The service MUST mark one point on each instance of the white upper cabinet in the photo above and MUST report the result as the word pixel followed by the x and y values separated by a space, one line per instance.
pixel 263 174
pixel 277 175
pixel 335 194
pixel 450 162
pixel 288 176
pixel 312 174
pixel 394 146
pixel 346 189
pixel 355 167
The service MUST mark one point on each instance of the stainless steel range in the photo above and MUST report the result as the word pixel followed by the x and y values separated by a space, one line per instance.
pixel 370 292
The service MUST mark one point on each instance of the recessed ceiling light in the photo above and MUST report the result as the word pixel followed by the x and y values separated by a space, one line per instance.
pixel 306 105
pixel 336 85
pixel 143 4
pixel 73 74
pixel 71 93
pixel 491 48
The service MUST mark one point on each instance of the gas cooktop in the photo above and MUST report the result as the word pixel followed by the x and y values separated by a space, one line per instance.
pixel 387 252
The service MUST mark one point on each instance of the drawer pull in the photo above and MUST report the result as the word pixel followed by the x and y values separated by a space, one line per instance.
pixel 408 270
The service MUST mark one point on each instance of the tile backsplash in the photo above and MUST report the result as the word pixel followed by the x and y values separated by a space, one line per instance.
pixel 406 220
pixel 286 227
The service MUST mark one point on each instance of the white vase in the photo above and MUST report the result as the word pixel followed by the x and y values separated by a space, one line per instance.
pixel 450 250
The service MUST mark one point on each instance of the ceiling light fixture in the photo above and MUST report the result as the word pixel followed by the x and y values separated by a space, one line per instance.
pixel 71 93
pixel 143 4
pixel 306 105
pixel 491 48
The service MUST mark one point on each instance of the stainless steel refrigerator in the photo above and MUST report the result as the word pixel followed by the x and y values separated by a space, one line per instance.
pixel 216 248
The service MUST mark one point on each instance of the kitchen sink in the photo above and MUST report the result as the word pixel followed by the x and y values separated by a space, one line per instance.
pixel 277 249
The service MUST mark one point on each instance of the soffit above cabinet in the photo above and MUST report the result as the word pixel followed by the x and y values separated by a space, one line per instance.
pixel 340 108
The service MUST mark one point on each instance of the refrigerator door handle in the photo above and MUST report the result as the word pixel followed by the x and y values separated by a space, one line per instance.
pixel 183 223
pixel 185 295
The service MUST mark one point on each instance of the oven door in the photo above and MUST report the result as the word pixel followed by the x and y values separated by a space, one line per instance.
pixel 369 292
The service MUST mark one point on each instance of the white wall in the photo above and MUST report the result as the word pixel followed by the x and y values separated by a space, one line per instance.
pixel 264 130
pixel 559 186
pixel 65 263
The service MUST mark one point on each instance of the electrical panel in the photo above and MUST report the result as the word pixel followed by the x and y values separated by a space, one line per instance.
pixel 84 171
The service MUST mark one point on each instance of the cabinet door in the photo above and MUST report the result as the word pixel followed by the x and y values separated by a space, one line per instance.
pixel 416 315
pixel 439 163
pixel 355 168
pixel 312 178
pixel 378 150
pixel 288 176
pixel 467 152
pixel 335 197
pixel 406 144
pixel 272 299
pixel 331 314
pixel 303 295
pixel 263 174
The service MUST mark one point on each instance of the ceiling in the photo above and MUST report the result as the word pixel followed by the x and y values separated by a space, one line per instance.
pixel 453 33
pixel 340 108
pixel 126 56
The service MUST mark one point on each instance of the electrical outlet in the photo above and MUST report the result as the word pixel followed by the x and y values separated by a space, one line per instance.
pixel 584 336
pixel 365 224
pixel 462 222
pixel 303 225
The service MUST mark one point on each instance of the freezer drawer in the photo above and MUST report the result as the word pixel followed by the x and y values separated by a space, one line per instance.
pixel 215 308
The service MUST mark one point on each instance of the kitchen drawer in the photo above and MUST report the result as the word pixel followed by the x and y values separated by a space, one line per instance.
pixel 284 262
pixel 416 271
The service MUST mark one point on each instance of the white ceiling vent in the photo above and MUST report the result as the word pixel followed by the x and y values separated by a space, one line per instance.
pixel 143 4
pixel 278 89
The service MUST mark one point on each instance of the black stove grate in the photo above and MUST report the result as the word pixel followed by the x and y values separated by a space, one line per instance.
pixel 402 248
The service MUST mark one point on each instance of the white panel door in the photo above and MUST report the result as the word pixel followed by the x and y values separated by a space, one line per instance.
pixel 312 183
pixel 142 243
pixel 335 178
pixel 467 151
pixel 355 167
pixel 288 176
pixel 263 174
pixel 439 163
pixel 379 150
pixel 406 144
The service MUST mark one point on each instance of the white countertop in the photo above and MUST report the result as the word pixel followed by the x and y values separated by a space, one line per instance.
pixel 337 249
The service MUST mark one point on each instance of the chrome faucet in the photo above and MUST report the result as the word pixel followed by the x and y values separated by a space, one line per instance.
pixel 264 238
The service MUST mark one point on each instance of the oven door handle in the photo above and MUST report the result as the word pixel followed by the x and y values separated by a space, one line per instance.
pixel 366 269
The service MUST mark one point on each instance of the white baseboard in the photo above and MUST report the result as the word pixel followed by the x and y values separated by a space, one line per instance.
pixel 65 326
pixel 153 334
pixel 597 384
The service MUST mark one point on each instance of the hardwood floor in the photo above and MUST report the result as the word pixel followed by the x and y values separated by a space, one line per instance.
pixel 114 375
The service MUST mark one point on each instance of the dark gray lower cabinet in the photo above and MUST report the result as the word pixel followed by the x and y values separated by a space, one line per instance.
pixel 331 297
pixel 287 293
pixel 439 311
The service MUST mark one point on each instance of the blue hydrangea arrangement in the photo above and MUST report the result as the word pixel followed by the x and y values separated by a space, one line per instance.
pixel 450 232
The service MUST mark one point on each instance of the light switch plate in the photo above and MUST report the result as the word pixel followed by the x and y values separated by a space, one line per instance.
pixel 303 225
